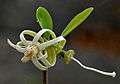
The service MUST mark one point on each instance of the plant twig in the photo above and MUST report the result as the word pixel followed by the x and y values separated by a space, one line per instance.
pixel 45 77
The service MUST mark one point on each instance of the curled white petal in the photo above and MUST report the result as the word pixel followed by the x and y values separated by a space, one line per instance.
pixel 44 60
pixel 29 32
pixel 50 42
pixel 113 74
pixel 46 63
pixel 40 33
pixel 40 55
pixel 16 47
pixel 25 59
pixel 21 44
pixel 38 64
pixel 22 38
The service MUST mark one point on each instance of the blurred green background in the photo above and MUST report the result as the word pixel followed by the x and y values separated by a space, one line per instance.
pixel 96 41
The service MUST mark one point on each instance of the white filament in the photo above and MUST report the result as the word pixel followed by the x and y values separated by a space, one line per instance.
pixel 113 74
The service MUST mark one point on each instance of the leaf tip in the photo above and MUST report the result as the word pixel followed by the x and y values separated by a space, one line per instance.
pixel 90 9
pixel 40 8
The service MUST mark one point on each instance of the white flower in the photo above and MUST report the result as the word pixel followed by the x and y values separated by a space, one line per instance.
pixel 33 50
pixel 36 50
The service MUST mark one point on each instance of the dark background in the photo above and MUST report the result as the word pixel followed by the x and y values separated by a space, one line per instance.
pixel 96 41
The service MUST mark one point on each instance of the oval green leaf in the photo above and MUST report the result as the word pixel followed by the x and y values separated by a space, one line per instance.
pixel 77 20
pixel 43 18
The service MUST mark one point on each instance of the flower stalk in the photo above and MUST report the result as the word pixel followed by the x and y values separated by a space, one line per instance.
pixel 45 77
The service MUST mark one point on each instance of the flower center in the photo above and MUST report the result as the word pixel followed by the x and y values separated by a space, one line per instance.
pixel 30 53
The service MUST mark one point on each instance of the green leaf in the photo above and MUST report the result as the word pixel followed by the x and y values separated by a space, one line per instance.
pixel 77 20
pixel 44 18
